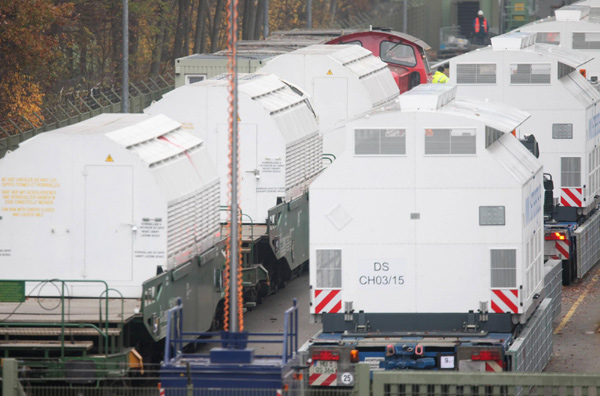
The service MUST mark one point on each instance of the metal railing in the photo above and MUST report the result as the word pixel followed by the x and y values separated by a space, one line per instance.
pixel 383 383
pixel 418 383
pixel 176 338
pixel 64 324
pixel 81 106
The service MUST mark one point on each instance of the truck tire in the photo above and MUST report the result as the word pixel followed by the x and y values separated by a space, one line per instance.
pixel 566 272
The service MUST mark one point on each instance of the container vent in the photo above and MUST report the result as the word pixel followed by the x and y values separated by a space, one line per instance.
pixel 303 160
pixel 329 268
pixel 491 135
pixel 570 172
pixel 192 220
pixel 562 131
pixel 586 40
pixel 504 268
pixel 483 73
pixel 528 73
pixel 379 141
pixel 449 141
pixel 552 38
pixel 564 70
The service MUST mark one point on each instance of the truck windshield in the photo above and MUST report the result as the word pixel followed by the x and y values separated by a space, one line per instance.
pixel 397 53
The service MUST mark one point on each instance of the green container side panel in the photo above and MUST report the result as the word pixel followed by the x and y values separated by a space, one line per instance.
pixel 198 284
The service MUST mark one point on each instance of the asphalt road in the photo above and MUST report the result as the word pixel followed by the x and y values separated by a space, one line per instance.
pixel 576 333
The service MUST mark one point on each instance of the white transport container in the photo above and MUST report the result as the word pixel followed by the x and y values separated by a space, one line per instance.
pixel 435 210
pixel 543 80
pixel 344 81
pixel 571 29
pixel 594 7
pixel 112 198
pixel 280 143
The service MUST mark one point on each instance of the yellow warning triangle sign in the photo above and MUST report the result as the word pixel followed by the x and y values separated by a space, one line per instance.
pixel 109 159
pixel 239 119
pixel 329 73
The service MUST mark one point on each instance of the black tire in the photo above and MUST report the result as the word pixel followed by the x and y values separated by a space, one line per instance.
pixel 566 274
pixel 415 79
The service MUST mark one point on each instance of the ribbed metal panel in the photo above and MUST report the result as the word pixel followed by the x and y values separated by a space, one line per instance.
pixel 192 220
pixel 586 40
pixel 564 70
pixel 329 268
pixel 379 141
pixel 553 285
pixel 552 38
pixel 476 73
pixel 526 73
pixel 449 141
pixel 532 350
pixel 588 244
pixel 570 172
pixel 303 160
pixel 503 263
pixel 491 135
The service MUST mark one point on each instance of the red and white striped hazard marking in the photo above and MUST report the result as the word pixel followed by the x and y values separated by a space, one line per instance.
pixel 328 301
pixel 493 365
pixel 322 380
pixel 572 197
pixel 505 301
pixel 161 390
pixel 563 248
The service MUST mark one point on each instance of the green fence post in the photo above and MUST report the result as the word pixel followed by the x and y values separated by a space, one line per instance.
pixel 362 383
pixel 10 378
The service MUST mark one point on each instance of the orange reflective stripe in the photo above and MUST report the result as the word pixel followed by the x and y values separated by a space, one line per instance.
pixel 476 25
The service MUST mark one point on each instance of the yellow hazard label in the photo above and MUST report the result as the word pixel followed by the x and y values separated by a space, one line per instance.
pixel 329 73
pixel 239 119
pixel 109 159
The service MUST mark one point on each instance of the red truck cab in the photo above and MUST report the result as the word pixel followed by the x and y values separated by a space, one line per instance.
pixel 404 54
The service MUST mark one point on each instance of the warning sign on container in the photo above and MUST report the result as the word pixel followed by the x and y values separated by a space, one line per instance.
pixel 28 196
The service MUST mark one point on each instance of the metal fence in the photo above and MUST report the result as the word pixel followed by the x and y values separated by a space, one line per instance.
pixel 377 383
pixel 411 383
pixel 82 105
pixel 588 244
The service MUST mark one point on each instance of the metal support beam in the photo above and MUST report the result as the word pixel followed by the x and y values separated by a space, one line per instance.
pixel 10 378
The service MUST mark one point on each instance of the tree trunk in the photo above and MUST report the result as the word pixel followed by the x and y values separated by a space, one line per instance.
pixel 178 46
pixel 187 22
pixel 157 49
pixel 200 18
pixel 252 19
pixel 218 19
pixel 259 19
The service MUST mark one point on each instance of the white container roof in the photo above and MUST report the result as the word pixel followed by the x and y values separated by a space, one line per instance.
pixel 572 13
pixel 579 87
pixel 442 97
pixel 525 41
pixel 275 119
pixel 317 67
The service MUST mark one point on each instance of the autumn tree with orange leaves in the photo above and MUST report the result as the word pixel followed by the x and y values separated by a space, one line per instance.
pixel 29 43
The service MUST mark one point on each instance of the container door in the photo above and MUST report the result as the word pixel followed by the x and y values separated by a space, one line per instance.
pixel 331 110
pixel 108 220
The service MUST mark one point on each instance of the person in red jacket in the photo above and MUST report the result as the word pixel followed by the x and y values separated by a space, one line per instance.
pixel 480 29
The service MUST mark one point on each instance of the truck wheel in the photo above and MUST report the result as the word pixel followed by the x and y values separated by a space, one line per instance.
pixel 415 79
pixel 566 274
